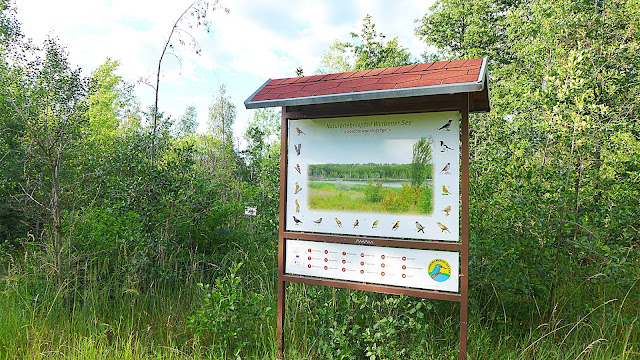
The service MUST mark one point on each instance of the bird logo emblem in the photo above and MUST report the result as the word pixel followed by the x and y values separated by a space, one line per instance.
pixel 436 271
pixel 297 206
pixel 375 225
pixel 298 188
pixel 317 222
pixel 439 270
pixel 396 226
pixel 446 126
pixel 444 147
pixel 446 210
pixel 298 168
pixel 419 227
pixel 297 221
pixel 356 224
pixel 300 132
pixel 297 147
pixel 445 191
pixel 445 169
pixel 338 222
pixel 443 227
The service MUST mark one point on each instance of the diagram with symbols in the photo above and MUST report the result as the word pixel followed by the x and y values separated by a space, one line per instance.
pixel 421 269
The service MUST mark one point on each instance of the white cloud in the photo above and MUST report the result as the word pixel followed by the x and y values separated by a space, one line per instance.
pixel 257 40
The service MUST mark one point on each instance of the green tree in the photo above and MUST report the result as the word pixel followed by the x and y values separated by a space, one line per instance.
pixel 52 107
pixel 421 162
pixel 195 15
pixel 222 115
pixel 187 124
pixel 466 29
pixel 367 50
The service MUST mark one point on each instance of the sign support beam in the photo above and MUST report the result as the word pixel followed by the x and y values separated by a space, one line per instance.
pixel 464 254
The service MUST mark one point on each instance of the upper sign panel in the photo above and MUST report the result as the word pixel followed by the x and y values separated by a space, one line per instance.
pixel 392 176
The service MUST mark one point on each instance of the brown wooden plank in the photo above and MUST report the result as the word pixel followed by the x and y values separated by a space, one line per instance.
pixel 362 240
pixel 378 107
pixel 383 289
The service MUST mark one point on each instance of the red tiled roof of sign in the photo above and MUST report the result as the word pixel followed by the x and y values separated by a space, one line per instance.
pixel 385 79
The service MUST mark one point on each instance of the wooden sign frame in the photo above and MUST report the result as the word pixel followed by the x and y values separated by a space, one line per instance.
pixel 434 103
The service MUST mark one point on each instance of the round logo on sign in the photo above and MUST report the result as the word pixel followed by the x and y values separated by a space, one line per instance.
pixel 439 270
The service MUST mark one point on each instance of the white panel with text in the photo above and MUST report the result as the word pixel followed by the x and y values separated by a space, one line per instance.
pixel 421 269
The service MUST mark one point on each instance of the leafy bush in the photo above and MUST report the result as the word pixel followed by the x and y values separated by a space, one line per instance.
pixel 229 314
pixel 374 193
pixel 369 326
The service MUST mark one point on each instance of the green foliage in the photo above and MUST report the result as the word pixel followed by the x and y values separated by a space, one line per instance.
pixel 373 193
pixel 187 123
pixel 421 168
pixel 554 226
pixel 367 50
pixel 368 326
pixel 229 317
pixel 378 172
pixel 222 115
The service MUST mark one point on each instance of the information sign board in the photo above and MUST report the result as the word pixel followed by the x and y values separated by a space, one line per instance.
pixel 394 176
pixel 422 269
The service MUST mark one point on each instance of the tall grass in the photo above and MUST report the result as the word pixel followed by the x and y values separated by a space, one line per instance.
pixel 113 318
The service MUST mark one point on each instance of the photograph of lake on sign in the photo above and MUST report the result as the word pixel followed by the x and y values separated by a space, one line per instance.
pixel 371 188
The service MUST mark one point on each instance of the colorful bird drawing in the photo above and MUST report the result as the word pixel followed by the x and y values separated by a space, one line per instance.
pixel 338 222
pixel 297 221
pixel 419 227
pixel 446 126
pixel 297 147
pixel 375 225
pixel 300 131
pixel 298 188
pixel 443 228
pixel 444 146
pixel 445 191
pixel 436 271
pixel 298 168
pixel 356 224
pixel 297 206
pixel 446 210
pixel 446 168
pixel 396 226
pixel 317 222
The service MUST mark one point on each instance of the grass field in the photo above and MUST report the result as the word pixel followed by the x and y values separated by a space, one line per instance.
pixel 370 198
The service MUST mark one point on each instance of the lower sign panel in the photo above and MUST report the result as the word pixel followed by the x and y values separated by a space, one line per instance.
pixel 421 269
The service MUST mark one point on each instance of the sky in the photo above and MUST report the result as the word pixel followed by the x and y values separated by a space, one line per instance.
pixel 255 41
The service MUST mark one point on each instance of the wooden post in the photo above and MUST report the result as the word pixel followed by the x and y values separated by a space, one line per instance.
pixel 284 131
pixel 464 254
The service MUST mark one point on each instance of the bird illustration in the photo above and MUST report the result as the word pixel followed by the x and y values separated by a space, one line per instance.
pixel 443 228
pixel 297 147
pixel 298 168
pixel 419 227
pixel 446 210
pixel 298 188
pixel 300 132
pixel 444 146
pixel 338 222
pixel 375 225
pixel 445 191
pixel 297 221
pixel 436 271
pixel 446 126
pixel 317 222
pixel 357 223
pixel 396 226
pixel 297 206
pixel 446 168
